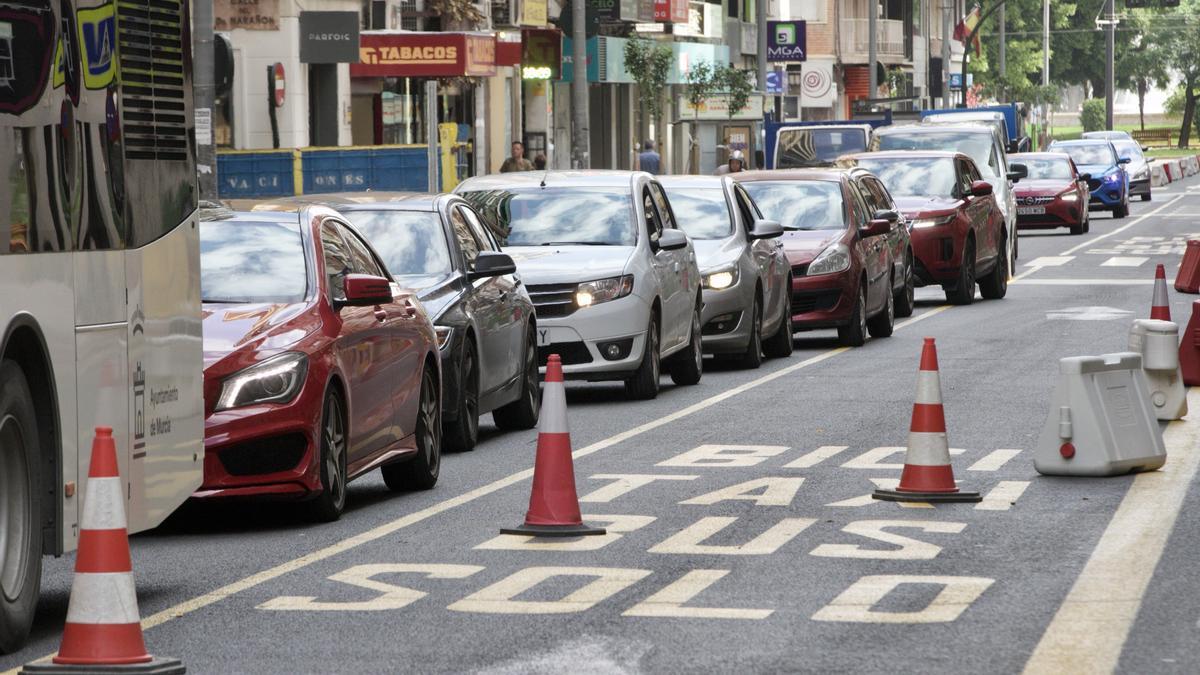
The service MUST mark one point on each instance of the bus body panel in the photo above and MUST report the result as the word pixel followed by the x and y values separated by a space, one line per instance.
pixel 166 386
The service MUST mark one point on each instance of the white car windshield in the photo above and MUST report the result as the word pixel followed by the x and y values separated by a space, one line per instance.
pixel 1092 153
pixel 558 216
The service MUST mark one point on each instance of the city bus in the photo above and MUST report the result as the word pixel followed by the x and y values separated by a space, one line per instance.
pixel 99 273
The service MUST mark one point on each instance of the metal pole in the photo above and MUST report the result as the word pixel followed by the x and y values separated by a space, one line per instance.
pixel 1109 79
pixel 760 15
pixel 1045 63
pixel 872 50
pixel 580 127
pixel 946 9
pixel 1003 53
pixel 204 96
pixel 431 134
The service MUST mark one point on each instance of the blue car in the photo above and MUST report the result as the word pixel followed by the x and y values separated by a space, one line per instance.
pixel 1107 178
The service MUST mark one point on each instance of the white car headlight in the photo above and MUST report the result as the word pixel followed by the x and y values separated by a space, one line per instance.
pixel 723 278
pixel 835 258
pixel 1142 174
pixel 276 380
pixel 921 223
pixel 603 290
pixel 1113 178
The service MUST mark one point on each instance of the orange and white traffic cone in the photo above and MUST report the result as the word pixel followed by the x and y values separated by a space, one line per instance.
pixel 1160 306
pixel 928 475
pixel 553 503
pixel 103 632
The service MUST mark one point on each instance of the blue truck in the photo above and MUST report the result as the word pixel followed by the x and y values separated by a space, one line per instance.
pixel 1010 117
pixel 793 145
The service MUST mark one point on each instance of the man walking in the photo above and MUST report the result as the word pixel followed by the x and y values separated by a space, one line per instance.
pixel 517 162
pixel 649 160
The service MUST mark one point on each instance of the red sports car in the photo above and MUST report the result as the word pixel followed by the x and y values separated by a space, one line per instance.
pixel 1054 194
pixel 317 367
pixel 958 232
pixel 844 272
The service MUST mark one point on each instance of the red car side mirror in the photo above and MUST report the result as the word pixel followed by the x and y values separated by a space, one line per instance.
pixel 981 188
pixel 364 290
pixel 875 228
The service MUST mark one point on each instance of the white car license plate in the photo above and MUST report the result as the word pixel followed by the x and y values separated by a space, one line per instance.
pixel 544 338
pixel 1031 210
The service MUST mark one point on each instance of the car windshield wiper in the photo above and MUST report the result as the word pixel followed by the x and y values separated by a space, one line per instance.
pixel 576 243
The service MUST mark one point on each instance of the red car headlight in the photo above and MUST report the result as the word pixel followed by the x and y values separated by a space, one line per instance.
pixel 275 380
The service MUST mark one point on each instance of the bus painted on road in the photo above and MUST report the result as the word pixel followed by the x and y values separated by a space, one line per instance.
pixel 99 273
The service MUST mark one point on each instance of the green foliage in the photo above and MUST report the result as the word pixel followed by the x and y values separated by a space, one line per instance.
pixel 737 85
pixel 1173 106
pixel 649 63
pixel 702 81
pixel 1092 117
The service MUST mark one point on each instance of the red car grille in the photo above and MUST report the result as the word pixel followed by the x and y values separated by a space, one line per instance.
pixel 1034 201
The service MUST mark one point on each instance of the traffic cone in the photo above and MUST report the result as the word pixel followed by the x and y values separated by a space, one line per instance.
pixel 1160 307
pixel 103 632
pixel 1188 278
pixel 553 503
pixel 927 475
pixel 1189 349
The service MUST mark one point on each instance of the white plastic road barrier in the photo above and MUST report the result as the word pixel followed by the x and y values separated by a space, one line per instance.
pixel 1158 177
pixel 1158 343
pixel 1101 421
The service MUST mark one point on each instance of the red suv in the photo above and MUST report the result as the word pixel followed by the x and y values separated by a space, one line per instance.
pixel 844 274
pixel 1054 194
pixel 317 367
pixel 958 233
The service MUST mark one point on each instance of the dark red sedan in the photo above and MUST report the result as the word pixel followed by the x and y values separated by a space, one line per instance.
pixel 1054 194
pixel 843 271
pixel 317 367
pixel 958 232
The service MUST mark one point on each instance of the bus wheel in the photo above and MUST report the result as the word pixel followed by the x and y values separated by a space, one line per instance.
pixel 20 537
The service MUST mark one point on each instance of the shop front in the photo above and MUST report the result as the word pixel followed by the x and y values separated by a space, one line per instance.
pixel 388 88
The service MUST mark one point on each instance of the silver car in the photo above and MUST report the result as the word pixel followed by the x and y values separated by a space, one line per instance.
pixel 743 268
pixel 613 279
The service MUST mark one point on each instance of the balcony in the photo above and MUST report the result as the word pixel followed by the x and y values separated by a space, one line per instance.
pixel 855 43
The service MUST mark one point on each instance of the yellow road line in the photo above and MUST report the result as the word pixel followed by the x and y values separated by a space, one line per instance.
pixel 217 595
pixel 1089 631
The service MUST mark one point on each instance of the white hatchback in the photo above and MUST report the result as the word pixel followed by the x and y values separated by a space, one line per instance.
pixel 613 279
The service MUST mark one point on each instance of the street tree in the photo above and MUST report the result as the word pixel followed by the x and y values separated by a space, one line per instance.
pixel 649 63
pixel 1178 34
pixel 737 86
pixel 702 82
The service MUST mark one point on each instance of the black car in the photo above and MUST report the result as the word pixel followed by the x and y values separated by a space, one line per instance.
pixel 485 321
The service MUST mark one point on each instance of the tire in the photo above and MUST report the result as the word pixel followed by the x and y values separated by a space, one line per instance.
pixel 523 412
pixel 1146 197
pixel 995 285
pixel 328 506
pixel 782 343
pixel 20 526
pixel 855 334
pixel 753 356
pixel 1121 210
pixel 882 324
pixel 906 301
pixel 643 384
pixel 1080 228
pixel 461 434
pixel 1087 220
pixel 421 472
pixel 687 367
pixel 964 291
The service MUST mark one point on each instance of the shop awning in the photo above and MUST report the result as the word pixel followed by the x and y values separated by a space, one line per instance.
pixel 425 54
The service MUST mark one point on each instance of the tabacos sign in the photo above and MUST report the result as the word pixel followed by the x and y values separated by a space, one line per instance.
pixel 787 40
pixel 425 55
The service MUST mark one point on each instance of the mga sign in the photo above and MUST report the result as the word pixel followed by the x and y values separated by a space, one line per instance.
pixel 787 40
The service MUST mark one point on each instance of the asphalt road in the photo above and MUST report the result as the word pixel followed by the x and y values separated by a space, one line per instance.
pixel 801 578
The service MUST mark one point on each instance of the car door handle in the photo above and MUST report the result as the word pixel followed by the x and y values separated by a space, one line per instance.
pixel 381 314
pixel 675 267
pixel 410 310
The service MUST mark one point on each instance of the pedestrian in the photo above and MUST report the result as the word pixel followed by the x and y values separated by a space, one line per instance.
pixel 539 162
pixel 649 160
pixel 517 162
pixel 736 164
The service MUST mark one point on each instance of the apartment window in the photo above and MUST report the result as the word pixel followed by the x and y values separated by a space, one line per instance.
pixel 812 11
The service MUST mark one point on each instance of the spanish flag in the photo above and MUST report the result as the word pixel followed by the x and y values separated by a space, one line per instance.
pixel 962 30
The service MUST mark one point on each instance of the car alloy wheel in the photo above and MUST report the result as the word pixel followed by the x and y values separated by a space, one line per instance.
pixel 882 324
pixel 906 301
pixel 687 366
pixel 328 505
pixel 855 334
pixel 964 292
pixel 462 434
pixel 753 356
pixel 523 412
pixel 644 382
